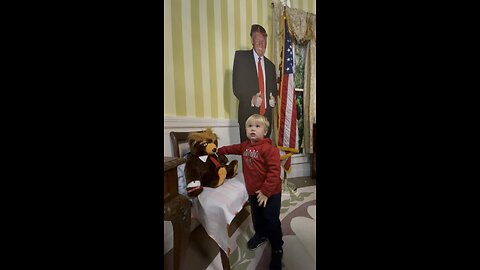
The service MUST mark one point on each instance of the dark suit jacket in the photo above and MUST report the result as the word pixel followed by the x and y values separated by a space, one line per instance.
pixel 245 85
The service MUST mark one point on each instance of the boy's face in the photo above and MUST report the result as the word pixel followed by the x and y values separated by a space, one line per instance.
pixel 256 131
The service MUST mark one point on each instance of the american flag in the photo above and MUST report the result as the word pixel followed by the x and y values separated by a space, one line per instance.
pixel 287 133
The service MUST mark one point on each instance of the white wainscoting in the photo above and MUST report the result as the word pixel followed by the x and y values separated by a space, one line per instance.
pixel 300 166
pixel 228 133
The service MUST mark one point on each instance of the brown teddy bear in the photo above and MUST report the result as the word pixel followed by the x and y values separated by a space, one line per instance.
pixel 204 167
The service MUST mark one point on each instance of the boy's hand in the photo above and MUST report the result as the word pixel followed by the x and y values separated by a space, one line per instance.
pixel 261 198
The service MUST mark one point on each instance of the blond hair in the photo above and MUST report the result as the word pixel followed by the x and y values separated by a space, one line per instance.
pixel 257 118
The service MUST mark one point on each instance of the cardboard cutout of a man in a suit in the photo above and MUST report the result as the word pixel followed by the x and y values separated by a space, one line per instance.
pixel 247 78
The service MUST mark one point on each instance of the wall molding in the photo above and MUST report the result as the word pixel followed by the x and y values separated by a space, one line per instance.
pixel 227 129
pixel 191 122
pixel 301 158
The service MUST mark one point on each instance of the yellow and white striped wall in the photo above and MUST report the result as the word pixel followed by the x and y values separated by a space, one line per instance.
pixel 200 39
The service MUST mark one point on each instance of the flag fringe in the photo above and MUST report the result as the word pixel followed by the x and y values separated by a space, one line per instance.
pixel 283 157
pixel 284 148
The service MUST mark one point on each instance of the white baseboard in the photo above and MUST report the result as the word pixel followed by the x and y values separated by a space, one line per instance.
pixel 227 131
pixel 299 170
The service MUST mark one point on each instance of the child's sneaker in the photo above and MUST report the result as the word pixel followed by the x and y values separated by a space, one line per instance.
pixel 256 241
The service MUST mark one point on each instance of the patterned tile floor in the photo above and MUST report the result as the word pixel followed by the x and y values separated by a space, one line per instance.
pixel 203 253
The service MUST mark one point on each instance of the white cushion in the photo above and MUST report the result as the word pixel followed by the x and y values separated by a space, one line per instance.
pixel 182 182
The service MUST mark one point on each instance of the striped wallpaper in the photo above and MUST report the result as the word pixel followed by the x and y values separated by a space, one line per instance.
pixel 200 39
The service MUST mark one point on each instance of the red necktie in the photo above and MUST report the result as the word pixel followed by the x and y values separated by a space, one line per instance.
pixel 260 84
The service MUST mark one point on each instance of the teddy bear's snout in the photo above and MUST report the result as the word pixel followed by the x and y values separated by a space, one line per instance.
pixel 211 148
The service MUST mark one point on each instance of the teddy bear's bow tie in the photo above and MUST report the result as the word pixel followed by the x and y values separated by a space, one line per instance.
pixel 212 158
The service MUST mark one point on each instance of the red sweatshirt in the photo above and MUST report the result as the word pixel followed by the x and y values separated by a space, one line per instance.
pixel 261 165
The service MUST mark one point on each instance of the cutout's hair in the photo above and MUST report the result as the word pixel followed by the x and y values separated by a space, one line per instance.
pixel 258 28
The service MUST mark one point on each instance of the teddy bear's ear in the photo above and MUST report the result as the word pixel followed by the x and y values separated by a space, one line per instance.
pixel 211 134
pixel 192 138
pixel 191 143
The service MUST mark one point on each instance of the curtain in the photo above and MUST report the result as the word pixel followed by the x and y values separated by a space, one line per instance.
pixel 302 28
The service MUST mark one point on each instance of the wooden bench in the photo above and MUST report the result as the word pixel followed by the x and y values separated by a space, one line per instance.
pixel 179 139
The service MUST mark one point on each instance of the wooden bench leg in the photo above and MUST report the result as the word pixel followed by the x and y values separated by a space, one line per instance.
pixel 225 261
pixel 178 211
